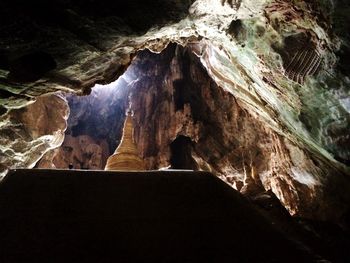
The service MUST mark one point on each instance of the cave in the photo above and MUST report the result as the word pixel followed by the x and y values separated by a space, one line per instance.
pixel 94 125
pixel 229 120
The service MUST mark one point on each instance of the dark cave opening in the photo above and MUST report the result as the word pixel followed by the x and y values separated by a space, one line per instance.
pixel 181 150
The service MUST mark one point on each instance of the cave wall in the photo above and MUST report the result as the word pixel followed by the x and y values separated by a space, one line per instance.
pixel 184 120
pixel 94 128
pixel 68 44
pixel 28 133
pixel 175 102
pixel 247 47
pixel 285 62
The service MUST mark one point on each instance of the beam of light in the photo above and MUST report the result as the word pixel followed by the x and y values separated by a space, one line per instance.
pixel 118 87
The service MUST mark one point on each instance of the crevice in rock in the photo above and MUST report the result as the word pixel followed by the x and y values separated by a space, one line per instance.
pixel 181 154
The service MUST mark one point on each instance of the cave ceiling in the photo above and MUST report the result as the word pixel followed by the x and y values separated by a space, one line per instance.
pixel 285 62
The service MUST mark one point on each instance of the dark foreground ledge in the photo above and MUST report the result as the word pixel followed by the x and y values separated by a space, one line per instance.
pixel 161 216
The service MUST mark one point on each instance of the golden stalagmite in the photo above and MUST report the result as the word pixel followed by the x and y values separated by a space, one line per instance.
pixel 126 156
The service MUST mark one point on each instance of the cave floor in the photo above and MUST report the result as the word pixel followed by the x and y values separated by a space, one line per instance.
pixel 155 216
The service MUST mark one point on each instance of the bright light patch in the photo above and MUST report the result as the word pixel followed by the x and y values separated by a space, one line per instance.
pixel 213 7
pixel 345 102
pixel 303 177
pixel 118 86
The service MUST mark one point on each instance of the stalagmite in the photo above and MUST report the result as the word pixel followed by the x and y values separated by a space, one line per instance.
pixel 126 156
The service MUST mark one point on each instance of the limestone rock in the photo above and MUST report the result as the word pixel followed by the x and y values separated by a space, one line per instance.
pixel 220 136
pixel 81 152
pixel 297 110
pixel 28 133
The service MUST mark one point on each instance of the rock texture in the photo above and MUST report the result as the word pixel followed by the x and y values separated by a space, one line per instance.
pixel 184 120
pixel 81 152
pixel 284 61
pixel 95 122
pixel 27 134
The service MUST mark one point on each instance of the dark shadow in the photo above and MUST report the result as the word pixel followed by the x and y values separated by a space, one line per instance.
pixel 181 157
pixel 90 216
pixel 31 67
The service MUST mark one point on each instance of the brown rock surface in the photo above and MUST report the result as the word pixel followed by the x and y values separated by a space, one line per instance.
pixel 180 105
pixel 299 107
pixel 184 120
pixel 27 134
pixel 81 152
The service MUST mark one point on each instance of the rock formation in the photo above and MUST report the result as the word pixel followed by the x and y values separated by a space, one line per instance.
pixel 183 120
pixel 95 120
pixel 277 83
pixel 28 133
pixel 81 152
pixel 180 111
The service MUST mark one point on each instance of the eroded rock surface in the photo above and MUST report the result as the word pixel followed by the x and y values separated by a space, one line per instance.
pixel 80 152
pixel 285 62
pixel 28 133
pixel 94 128
pixel 184 120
